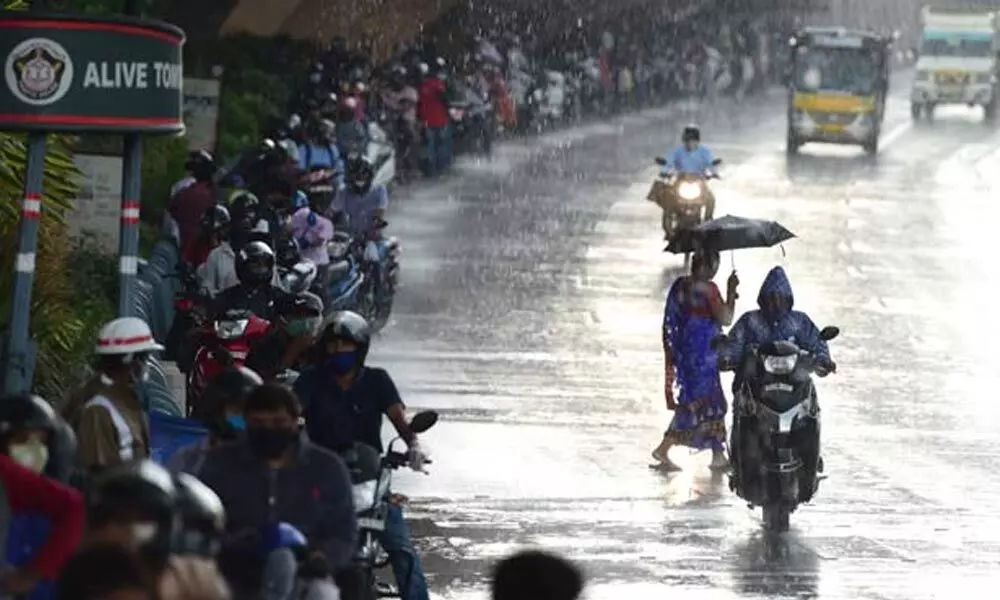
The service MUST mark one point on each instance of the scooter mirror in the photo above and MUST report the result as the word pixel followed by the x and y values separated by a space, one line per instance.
pixel 423 420
pixel 828 333
pixel 716 162
pixel 660 161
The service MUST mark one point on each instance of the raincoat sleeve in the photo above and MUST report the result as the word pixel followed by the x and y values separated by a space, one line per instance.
pixel 807 337
pixel 98 438
pixel 738 338
pixel 31 493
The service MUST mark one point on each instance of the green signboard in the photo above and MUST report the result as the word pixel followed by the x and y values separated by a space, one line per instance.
pixel 74 73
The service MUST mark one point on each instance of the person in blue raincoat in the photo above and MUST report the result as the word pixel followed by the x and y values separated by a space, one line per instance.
pixel 775 321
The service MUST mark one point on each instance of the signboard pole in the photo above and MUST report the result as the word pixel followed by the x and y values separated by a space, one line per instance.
pixel 20 367
pixel 128 237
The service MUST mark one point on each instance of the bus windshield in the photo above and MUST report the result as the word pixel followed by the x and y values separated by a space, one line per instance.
pixel 850 70
pixel 959 47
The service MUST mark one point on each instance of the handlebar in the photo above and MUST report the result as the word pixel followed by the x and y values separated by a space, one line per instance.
pixel 396 460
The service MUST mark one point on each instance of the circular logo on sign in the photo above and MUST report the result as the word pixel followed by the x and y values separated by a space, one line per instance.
pixel 38 71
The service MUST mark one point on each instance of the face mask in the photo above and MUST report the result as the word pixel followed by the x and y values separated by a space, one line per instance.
pixel 341 363
pixel 298 327
pixel 237 422
pixel 32 455
pixel 269 443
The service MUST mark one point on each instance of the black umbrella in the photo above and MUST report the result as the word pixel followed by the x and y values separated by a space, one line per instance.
pixel 729 233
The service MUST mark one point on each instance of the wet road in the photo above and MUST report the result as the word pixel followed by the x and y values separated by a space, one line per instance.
pixel 530 318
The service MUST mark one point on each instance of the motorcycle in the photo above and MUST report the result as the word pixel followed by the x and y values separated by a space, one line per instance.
pixel 775 440
pixel 685 201
pixel 371 476
pixel 343 278
pixel 380 152
pixel 473 119
pixel 190 308
pixel 226 345
pixel 378 289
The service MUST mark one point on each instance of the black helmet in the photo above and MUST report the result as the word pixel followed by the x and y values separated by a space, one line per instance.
pixel 202 518
pixel 360 174
pixel 216 219
pixel 26 411
pixel 246 208
pixel 229 387
pixel 138 492
pixel 348 325
pixel 255 264
pixel 286 251
pixel 691 133
pixel 201 164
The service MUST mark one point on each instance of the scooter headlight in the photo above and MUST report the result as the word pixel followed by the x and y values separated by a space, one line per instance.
pixel 689 191
pixel 780 365
pixel 230 330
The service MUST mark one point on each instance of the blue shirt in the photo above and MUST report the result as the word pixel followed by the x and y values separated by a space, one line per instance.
pixel 315 156
pixel 697 162
pixel 360 210
pixel 337 418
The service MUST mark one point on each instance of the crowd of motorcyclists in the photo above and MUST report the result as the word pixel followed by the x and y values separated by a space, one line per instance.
pixel 284 280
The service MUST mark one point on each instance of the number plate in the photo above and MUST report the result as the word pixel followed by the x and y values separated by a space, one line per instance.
pixel 371 524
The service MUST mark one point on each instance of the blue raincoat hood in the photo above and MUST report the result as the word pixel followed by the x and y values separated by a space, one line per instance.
pixel 776 282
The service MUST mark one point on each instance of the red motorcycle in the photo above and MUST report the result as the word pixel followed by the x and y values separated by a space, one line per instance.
pixel 227 344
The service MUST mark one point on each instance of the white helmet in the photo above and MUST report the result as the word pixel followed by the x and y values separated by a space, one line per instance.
pixel 126 335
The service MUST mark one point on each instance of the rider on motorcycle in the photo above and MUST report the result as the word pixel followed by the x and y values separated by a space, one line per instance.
pixel 360 204
pixel 249 218
pixel 773 321
pixel 691 158
pixel 220 409
pixel 256 291
pixel 344 402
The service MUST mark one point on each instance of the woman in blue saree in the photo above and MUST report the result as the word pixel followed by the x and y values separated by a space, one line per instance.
pixel 695 314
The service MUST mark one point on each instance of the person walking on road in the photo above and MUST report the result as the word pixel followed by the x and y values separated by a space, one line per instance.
pixel 695 314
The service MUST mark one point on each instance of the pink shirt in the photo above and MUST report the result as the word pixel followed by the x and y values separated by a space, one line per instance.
pixel 316 235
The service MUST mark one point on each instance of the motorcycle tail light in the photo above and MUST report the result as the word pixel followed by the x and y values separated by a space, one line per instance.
pixel 183 304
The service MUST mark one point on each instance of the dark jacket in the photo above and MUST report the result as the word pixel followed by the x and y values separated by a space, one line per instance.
pixel 313 494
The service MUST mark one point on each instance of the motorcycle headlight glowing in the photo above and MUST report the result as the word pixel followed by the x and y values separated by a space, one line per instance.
pixel 780 365
pixel 229 330
pixel 689 191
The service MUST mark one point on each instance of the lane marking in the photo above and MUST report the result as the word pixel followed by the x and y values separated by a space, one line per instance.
pixel 895 133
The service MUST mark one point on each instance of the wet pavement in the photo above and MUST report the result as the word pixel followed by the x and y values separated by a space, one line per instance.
pixel 530 318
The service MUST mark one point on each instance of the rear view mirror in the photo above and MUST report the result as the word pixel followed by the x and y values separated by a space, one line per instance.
pixel 423 420
pixel 828 333
pixel 716 162
pixel 660 161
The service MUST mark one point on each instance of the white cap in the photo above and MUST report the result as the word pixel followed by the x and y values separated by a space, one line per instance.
pixel 127 335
